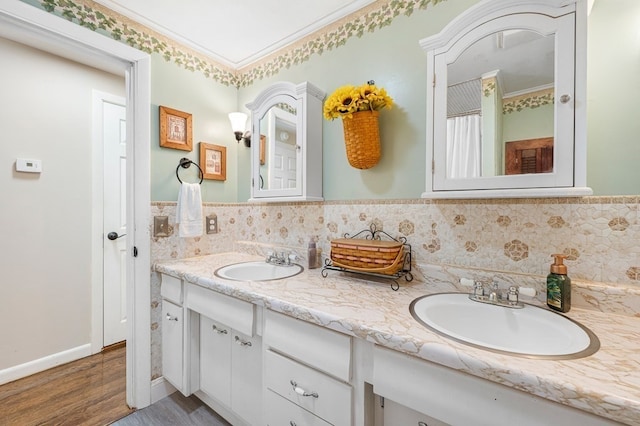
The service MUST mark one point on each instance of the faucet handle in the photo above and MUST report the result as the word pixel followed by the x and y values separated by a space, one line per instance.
pixel 512 295
pixel 478 289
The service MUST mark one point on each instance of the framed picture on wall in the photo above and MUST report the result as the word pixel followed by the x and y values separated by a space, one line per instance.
pixel 176 129
pixel 213 161
pixel 263 143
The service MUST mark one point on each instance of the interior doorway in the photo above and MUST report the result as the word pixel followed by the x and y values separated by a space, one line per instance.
pixel 32 26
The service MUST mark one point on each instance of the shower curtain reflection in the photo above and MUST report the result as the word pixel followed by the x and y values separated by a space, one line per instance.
pixel 463 146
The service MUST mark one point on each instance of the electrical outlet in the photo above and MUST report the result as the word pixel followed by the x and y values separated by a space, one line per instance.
pixel 212 224
pixel 161 226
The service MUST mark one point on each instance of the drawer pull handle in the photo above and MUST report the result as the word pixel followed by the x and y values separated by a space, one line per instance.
pixel 170 318
pixel 292 423
pixel 219 330
pixel 242 342
pixel 297 389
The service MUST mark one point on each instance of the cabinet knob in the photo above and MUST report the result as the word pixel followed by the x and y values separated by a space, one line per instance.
pixel 242 342
pixel 292 423
pixel 300 391
pixel 565 99
pixel 170 318
pixel 219 330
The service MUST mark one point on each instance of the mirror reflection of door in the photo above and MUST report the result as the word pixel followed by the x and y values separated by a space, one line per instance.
pixel 529 156
pixel 280 169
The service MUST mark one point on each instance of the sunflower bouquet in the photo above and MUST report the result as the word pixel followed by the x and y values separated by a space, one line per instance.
pixel 349 99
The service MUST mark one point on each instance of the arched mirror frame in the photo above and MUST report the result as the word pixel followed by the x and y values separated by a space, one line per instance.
pixel 455 37
pixel 306 99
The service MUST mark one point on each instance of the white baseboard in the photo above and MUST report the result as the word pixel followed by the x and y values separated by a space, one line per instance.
pixel 160 388
pixel 28 368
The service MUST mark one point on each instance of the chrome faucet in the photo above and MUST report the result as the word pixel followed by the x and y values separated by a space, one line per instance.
pixel 494 296
pixel 282 259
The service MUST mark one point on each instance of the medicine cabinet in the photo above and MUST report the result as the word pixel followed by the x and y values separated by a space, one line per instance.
pixel 286 155
pixel 506 101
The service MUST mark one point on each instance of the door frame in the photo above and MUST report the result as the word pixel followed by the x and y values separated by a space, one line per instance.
pixel 29 25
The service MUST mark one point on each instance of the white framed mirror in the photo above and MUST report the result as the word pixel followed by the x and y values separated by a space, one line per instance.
pixel 286 156
pixel 507 104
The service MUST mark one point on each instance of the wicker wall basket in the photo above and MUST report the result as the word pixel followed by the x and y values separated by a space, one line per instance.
pixel 382 257
pixel 362 139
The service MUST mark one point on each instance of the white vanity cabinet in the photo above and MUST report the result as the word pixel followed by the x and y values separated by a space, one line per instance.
pixel 456 398
pixel 230 355
pixel 174 328
pixel 308 372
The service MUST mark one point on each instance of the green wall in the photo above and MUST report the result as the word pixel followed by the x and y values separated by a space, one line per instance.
pixel 209 103
pixel 392 57
pixel 613 87
pixel 529 123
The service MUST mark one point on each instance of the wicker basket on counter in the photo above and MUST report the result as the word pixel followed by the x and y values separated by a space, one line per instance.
pixel 375 256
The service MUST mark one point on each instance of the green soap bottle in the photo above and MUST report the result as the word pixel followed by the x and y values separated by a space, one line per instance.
pixel 559 285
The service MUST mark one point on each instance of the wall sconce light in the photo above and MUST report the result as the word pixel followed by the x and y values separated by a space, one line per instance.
pixel 238 125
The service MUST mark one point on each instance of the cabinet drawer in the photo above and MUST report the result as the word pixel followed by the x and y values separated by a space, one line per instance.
pixel 318 347
pixel 230 311
pixel 171 288
pixel 280 412
pixel 333 400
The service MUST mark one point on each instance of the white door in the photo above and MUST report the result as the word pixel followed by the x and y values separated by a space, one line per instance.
pixel 283 174
pixel 115 225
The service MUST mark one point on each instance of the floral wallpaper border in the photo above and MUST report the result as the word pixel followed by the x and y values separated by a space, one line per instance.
pixel 489 86
pixel 528 100
pixel 96 17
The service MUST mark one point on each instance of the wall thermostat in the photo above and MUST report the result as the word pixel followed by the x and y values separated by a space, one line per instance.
pixel 28 165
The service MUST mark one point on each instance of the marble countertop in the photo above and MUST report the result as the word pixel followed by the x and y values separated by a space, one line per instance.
pixel 606 383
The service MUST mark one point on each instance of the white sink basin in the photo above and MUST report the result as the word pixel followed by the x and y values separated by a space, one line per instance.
pixel 531 332
pixel 258 271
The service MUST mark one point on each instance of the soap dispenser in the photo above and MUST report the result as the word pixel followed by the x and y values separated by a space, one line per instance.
pixel 559 285
pixel 312 255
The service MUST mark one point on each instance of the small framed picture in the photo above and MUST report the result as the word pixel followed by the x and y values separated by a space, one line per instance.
pixel 213 161
pixel 175 129
pixel 263 142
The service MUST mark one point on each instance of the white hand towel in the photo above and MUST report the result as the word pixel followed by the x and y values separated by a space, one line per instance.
pixel 189 210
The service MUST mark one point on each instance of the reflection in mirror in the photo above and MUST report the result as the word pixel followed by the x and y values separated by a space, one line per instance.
pixel 279 148
pixel 500 106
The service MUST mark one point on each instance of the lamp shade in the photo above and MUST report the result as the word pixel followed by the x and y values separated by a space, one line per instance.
pixel 238 121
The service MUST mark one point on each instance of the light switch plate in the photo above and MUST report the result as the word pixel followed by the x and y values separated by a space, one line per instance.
pixel 212 224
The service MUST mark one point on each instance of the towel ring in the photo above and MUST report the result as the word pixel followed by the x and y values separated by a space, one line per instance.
pixel 185 163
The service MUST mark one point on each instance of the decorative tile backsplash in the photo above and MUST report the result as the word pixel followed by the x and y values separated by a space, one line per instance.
pixel 599 235
pixel 510 241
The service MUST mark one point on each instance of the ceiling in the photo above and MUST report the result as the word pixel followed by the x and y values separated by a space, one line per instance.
pixel 235 33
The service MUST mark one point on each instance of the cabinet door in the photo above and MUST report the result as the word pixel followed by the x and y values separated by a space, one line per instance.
pixel 281 412
pixel 215 360
pixel 172 332
pixel 396 414
pixel 246 376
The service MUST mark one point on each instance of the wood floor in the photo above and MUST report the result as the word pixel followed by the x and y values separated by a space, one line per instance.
pixel 92 392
